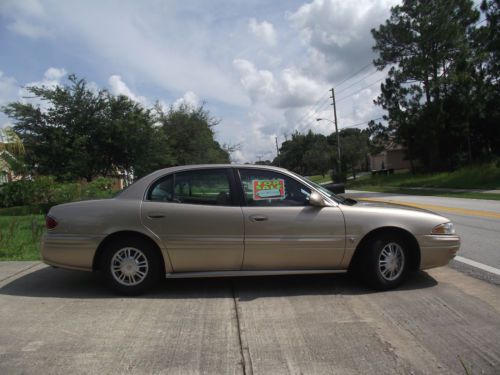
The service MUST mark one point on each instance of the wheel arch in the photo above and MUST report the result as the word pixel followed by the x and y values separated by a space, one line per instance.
pixel 414 261
pixel 125 234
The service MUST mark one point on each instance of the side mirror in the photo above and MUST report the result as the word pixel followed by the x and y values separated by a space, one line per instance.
pixel 315 199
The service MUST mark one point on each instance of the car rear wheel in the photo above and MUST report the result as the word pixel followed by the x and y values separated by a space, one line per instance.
pixel 131 266
pixel 385 265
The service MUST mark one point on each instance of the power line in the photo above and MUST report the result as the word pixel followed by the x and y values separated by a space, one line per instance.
pixel 361 123
pixel 320 102
pixel 354 74
pixel 364 77
pixel 310 114
pixel 361 89
pixel 480 22
pixel 370 63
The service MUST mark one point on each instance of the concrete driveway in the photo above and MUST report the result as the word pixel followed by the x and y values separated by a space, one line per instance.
pixel 56 321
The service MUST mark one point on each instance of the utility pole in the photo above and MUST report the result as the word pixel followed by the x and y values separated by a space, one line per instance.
pixel 277 151
pixel 336 131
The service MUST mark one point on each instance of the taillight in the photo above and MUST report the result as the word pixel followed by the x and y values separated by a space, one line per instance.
pixel 50 222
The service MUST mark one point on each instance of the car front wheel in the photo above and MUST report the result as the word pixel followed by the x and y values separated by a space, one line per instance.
pixel 131 266
pixel 385 265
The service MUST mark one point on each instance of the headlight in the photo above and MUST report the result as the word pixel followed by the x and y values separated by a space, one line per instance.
pixel 446 228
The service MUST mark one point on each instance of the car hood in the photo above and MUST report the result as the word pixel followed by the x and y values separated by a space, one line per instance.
pixel 378 204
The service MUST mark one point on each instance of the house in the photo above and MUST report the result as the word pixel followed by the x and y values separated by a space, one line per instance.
pixel 392 158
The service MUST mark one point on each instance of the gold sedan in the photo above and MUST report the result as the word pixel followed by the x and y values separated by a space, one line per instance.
pixel 241 220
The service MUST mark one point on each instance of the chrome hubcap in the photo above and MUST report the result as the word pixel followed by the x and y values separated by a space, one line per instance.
pixel 391 261
pixel 129 266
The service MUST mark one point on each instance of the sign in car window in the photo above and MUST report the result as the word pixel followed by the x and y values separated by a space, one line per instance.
pixel 268 189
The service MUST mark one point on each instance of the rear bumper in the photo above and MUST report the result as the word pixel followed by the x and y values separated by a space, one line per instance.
pixel 437 250
pixel 69 251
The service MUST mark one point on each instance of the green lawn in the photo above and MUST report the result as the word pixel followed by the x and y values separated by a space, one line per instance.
pixel 482 177
pixel 20 237
pixel 486 176
pixel 437 193
pixel 319 179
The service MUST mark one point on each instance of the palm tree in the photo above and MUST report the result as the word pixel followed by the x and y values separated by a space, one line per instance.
pixel 10 145
pixel 10 141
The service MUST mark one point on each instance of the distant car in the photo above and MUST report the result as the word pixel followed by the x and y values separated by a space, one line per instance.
pixel 241 220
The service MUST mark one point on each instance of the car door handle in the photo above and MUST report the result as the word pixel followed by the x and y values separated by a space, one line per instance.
pixel 258 218
pixel 156 215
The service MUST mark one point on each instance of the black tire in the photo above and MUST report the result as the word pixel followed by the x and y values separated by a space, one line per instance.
pixel 384 264
pixel 118 266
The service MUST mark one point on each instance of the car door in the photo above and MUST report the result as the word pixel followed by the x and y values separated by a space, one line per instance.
pixel 282 231
pixel 195 215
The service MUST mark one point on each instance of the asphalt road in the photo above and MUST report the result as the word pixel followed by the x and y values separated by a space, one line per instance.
pixel 476 221
pixel 54 321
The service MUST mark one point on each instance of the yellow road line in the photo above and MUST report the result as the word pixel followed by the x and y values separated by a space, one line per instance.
pixel 463 211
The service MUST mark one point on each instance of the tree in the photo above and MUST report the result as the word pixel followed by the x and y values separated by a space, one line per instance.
pixel 11 150
pixel 82 134
pixel 10 142
pixel 485 116
pixel 426 44
pixel 263 162
pixel 189 134
pixel 306 154
pixel 354 143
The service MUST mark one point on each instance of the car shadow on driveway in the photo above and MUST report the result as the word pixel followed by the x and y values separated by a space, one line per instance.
pixel 57 283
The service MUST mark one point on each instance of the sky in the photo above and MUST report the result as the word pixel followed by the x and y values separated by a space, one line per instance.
pixel 263 68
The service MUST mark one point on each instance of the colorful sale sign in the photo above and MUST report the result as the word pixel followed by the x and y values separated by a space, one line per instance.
pixel 268 189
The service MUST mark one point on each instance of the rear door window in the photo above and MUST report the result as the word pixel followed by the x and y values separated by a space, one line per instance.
pixel 205 186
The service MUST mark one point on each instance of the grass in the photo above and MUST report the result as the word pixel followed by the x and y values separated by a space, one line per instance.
pixel 486 177
pixel 20 237
pixel 20 211
pixel 319 179
pixel 480 177
pixel 437 193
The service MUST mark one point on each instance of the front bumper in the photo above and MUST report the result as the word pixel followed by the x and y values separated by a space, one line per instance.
pixel 69 251
pixel 437 250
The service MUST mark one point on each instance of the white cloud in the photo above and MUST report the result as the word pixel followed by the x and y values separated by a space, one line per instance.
pixel 8 89
pixel 54 75
pixel 213 52
pixel 8 92
pixel 257 142
pixel 259 84
pixel 336 23
pixel 25 18
pixel 299 90
pixel 30 8
pixel 292 89
pixel 11 90
pixel 51 79
pixel 337 33
pixel 189 99
pixel 264 31
pixel 28 29
pixel 118 87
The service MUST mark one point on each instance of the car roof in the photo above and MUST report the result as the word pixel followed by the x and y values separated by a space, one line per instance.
pixel 215 166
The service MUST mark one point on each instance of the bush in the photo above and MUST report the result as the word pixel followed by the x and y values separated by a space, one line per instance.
pixel 16 193
pixel 100 188
pixel 20 211
pixel 44 192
